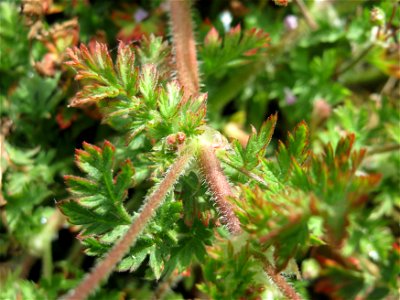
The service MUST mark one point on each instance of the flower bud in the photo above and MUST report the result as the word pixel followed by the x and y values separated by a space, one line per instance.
pixel 377 16
pixel 281 2
pixel 291 22
pixel 290 98
pixel 180 136
pixel 322 110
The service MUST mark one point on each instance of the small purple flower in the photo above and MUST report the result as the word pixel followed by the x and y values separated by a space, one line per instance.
pixel 140 15
pixel 290 98
pixel 291 22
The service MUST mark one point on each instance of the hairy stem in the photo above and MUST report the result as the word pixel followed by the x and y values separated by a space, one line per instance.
pixel 280 282
pixel 286 289
pixel 104 267
pixel 219 187
pixel 184 46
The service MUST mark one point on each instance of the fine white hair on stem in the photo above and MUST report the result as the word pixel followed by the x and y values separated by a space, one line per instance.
pixel 218 186
pixel 152 202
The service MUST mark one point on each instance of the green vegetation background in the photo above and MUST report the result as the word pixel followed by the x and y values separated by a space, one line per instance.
pixel 340 75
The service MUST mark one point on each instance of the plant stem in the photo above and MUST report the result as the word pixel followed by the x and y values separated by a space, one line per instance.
pixel 165 287
pixel 355 61
pixel 280 282
pixel 286 289
pixel 104 267
pixel 219 186
pixel 231 88
pixel 47 262
pixel 188 75
pixel 26 265
pixel 184 46
pixel 383 149
pixel 307 15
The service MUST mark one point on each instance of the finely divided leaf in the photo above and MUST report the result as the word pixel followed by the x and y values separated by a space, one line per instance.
pixel 237 48
pixel 296 148
pixel 99 197
pixel 249 157
pixel 94 223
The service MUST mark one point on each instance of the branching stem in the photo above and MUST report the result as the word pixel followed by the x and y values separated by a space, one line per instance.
pixel 188 75
pixel 184 46
pixel 219 187
pixel 104 268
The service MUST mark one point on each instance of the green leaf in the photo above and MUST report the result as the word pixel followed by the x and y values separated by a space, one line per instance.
pixel 100 195
pixel 156 262
pixel 296 148
pixel 258 142
pixel 250 156
pixel 237 48
pixel 155 52
pixel 148 85
pixel 169 100
pixel 102 79
pixel 94 223
pixel 125 67
pixel 94 93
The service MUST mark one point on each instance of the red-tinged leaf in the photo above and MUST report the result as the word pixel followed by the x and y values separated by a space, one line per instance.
pixel 124 179
pixel 212 38
pixel 169 100
pixel 258 142
pixel 234 49
pixel 101 191
pixel 292 237
pixel 344 146
pixel 296 148
pixel 79 186
pixel 340 284
pixel 298 142
pixel 125 66
pixel 249 157
pixel 93 94
pixel 147 85
pixel 103 58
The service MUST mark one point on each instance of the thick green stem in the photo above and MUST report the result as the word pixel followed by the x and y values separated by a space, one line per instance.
pixel 107 265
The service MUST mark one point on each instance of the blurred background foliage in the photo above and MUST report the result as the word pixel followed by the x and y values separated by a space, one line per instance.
pixel 334 64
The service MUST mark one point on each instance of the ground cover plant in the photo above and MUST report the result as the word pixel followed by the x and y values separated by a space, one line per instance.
pixel 223 150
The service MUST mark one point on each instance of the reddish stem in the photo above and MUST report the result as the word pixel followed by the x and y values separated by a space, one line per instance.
pixel 280 282
pixel 219 186
pixel 104 268
pixel 184 46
